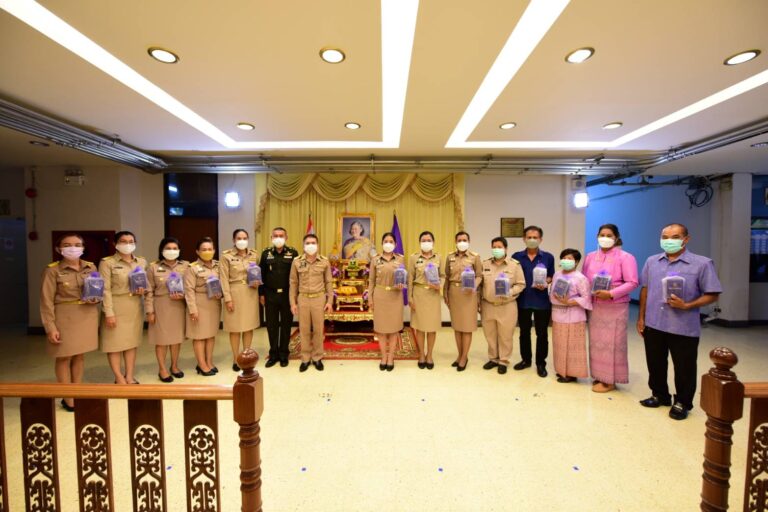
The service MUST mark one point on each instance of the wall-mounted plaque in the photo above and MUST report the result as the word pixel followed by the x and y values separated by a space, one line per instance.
pixel 512 227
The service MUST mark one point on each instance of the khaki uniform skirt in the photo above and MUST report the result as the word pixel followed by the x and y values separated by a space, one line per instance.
pixel 208 317
pixel 463 307
pixel 387 310
pixel 425 316
pixel 169 326
pixel 78 326
pixel 245 317
pixel 130 322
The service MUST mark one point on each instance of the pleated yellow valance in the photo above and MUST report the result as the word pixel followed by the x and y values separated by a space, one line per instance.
pixel 422 202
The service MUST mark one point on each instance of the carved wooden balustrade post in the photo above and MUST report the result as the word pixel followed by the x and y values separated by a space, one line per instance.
pixel 248 396
pixel 722 398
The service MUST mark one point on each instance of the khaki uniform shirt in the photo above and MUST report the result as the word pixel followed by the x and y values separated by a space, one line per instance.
pixel 234 269
pixel 157 275
pixel 61 284
pixel 417 263
pixel 194 281
pixel 513 271
pixel 455 265
pixel 114 270
pixel 311 277
pixel 383 272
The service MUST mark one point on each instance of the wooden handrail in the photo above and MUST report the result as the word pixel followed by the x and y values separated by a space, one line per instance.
pixel 118 391
pixel 756 390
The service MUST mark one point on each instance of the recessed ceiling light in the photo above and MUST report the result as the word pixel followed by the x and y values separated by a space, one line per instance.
pixel 332 55
pixel 741 58
pixel 39 143
pixel 580 55
pixel 163 55
pixel 760 144
pixel 245 126
pixel 352 126
pixel 613 125
pixel 507 126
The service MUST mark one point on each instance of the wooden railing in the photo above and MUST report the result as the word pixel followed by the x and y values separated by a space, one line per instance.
pixel 147 441
pixel 722 398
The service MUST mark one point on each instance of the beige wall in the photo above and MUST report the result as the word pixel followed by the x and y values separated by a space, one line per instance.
pixel 113 198
pixel 242 217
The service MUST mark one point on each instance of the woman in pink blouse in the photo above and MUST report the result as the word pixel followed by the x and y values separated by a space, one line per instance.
pixel 569 318
pixel 610 309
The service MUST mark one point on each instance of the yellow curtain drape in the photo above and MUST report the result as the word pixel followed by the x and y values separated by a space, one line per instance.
pixel 421 203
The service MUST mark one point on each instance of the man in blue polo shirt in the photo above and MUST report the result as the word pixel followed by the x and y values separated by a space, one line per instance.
pixel 673 326
pixel 534 308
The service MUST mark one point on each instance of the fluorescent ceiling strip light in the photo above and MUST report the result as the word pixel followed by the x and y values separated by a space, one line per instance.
pixel 535 22
pixel 398 18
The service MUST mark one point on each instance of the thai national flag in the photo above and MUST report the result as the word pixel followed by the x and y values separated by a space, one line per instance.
pixel 310 226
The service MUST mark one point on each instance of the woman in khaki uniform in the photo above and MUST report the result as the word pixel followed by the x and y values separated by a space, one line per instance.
pixel 166 312
pixel 499 313
pixel 388 300
pixel 71 325
pixel 123 317
pixel 424 298
pixel 204 313
pixel 462 303
pixel 241 315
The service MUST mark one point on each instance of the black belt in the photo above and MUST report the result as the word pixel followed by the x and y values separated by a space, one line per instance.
pixel 276 290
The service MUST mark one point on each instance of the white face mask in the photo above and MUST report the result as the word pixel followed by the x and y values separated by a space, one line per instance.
pixel 606 242
pixel 388 247
pixel 125 248
pixel 278 242
pixel 462 246
pixel 170 254
pixel 72 253
pixel 241 244
pixel 310 249
pixel 427 246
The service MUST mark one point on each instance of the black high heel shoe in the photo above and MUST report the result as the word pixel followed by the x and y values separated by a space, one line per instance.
pixel 422 365
pixel 178 375
pixel 430 366
pixel 66 407
pixel 460 368
pixel 165 379
pixel 209 373
pixel 454 364
pixel 214 369
pixel 382 366
pixel 391 367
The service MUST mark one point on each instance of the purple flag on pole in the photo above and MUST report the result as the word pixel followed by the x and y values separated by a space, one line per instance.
pixel 399 248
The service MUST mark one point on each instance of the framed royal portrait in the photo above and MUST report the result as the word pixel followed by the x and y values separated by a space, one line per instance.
pixel 355 236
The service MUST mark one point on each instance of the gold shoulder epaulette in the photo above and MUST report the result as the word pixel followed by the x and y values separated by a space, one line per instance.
pixel 228 251
pixel 195 264
pixel 88 262
pixel 53 264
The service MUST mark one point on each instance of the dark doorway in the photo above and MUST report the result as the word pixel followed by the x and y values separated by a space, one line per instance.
pixel 98 244
pixel 191 209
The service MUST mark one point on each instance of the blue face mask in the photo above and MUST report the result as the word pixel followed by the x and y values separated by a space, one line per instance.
pixel 568 264
pixel 671 245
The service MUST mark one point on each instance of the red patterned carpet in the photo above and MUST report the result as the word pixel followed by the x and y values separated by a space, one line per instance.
pixel 360 345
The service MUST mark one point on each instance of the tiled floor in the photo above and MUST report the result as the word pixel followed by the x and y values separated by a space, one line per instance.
pixel 355 438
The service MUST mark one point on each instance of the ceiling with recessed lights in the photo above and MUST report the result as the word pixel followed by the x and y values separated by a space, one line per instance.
pixel 394 78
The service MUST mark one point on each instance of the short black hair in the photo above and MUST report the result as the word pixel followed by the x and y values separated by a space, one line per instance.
pixel 500 239
pixel 457 235
pixel 534 228
pixel 614 229
pixel 205 240
pixel 165 241
pixel 238 230
pixel 426 233
pixel 121 234
pixel 571 252
pixel 278 228
pixel 682 226
pixel 388 233
pixel 67 235
pixel 310 235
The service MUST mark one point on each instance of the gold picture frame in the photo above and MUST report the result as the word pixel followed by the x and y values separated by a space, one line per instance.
pixel 356 242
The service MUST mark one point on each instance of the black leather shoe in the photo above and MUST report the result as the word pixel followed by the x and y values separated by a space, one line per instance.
pixel 562 379
pixel 283 363
pixel 522 365
pixel 304 366
pixel 209 373
pixel 422 365
pixel 678 412
pixel 382 366
pixel 235 367
pixel 270 363
pixel 319 365
pixel 502 369
pixel 430 366
pixel 541 370
pixel 390 367
pixel 490 365
pixel 654 402
pixel 178 375
pixel 66 407
pixel 165 379
pixel 454 364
